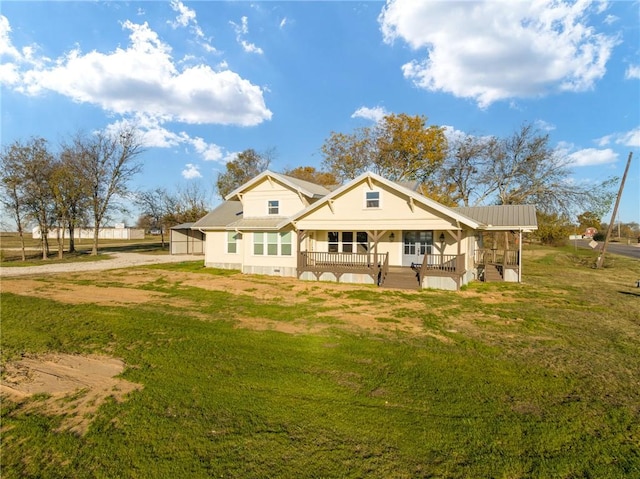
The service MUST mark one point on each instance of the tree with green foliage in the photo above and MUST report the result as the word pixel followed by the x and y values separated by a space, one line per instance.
pixel 400 148
pixel 244 167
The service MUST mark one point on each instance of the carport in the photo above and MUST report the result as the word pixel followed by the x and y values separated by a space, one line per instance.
pixel 184 240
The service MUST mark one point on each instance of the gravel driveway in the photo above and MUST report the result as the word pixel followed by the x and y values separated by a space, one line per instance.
pixel 116 260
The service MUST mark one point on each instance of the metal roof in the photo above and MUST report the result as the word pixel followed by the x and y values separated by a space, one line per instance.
pixel 225 213
pixel 274 223
pixel 503 216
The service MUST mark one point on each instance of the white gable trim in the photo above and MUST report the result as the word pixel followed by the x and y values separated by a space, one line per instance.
pixel 271 176
pixel 413 198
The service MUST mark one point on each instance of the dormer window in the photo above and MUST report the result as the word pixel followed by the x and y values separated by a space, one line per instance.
pixel 274 207
pixel 372 199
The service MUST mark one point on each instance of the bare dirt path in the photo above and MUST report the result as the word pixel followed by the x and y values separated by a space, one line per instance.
pixel 116 260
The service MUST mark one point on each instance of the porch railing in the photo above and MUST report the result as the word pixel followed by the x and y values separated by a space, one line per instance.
pixel 496 256
pixel 448 263
pixel 366 263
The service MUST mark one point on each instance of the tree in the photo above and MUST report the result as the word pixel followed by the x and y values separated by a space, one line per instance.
pixel 589 219
pixel 310 174
pixel 107 162
pixel 467 159
pixel 407 149
pixel 553 229
pixel 399 147
pixel 348 155
pixel 523 168
pixel 12 187
pixel 245 166
pixel 154 205
pixel 28 177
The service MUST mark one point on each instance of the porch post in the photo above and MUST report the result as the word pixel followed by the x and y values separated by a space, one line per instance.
pixel 520 256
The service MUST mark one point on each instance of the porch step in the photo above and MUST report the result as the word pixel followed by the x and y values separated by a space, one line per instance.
pixel 401 280
pixel 492 273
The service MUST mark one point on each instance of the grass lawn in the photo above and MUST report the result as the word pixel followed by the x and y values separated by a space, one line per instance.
pixel 259 377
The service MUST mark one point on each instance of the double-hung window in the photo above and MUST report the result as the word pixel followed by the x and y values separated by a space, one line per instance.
pixel 372 199
pixel 273 207
pixel 232 241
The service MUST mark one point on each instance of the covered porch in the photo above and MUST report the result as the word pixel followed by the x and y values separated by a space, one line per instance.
pixel 368 256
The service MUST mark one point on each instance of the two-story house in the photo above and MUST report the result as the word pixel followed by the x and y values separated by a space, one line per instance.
pixel 369 230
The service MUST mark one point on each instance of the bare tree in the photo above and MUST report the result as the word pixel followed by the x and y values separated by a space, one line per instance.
pixel 155 205
pixel 27 180
pixel 524 168
pixel 107 162
pixel 12 187
pixel 466 161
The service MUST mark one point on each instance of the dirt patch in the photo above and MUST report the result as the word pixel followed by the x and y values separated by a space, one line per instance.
pixel 70 386
pixel 129 287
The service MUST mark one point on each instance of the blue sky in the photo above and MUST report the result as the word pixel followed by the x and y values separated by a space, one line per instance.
pixel 205 80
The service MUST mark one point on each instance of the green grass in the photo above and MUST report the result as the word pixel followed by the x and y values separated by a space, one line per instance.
pixel 542 381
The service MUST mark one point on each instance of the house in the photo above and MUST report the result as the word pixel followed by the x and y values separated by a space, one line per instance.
pixel 183 239
pixel 369 230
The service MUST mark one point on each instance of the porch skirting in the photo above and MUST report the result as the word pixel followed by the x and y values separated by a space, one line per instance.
pixel 344 277
pixel 237 266
pixel 290 271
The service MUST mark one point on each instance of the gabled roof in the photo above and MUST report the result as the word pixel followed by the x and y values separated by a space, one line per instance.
pixel 220 217
pixel 513 217
pixel 440 208
pixel 308 189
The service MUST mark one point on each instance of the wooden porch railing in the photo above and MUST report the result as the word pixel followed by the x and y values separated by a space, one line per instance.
pixel 374 264
pixel 496 256
pixel 443 263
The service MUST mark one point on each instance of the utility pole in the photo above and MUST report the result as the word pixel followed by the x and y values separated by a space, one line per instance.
pixel 600 260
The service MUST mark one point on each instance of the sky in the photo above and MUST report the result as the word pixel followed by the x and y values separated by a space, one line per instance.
pixel 205 80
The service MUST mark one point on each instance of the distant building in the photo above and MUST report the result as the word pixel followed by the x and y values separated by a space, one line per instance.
pixel 119 232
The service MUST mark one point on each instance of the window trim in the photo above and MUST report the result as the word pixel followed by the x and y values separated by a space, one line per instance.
pixel 367 200
pixel 232 240
pixel 273 207
pixel 266 242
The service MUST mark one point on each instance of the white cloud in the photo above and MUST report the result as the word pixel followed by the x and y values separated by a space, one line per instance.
pixel 191 171
pixel 592 156
pixel 374 114
pixel 497 50
pixel 545 125
pixel 283 22
pixel 628 138
pixel 632 73
pixel 241 31
pixel 186 15
pixel 143 80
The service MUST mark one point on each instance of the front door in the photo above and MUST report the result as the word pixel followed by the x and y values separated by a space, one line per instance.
pixel 415 245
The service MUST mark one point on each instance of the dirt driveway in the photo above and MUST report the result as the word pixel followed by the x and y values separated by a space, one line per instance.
pixel 116 260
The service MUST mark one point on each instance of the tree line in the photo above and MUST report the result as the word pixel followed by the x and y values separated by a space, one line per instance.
pixel 456 169
pixel 87 179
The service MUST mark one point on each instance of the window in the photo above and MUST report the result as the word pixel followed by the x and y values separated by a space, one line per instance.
pixel 285 243
pixel 274 207
pixel 258 243
pixel 333 242
pixel 372 199
pixel 232 242
pixel 272 244
pixel 344 241
pixel 347 242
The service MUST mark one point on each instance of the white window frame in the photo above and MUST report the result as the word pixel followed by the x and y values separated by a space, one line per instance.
pixel 367 200
pixel 232 240
pixel 273 243
pixel 273 207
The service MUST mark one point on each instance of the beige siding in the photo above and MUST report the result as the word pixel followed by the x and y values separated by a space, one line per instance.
pixel 395 213
pixel 255 202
